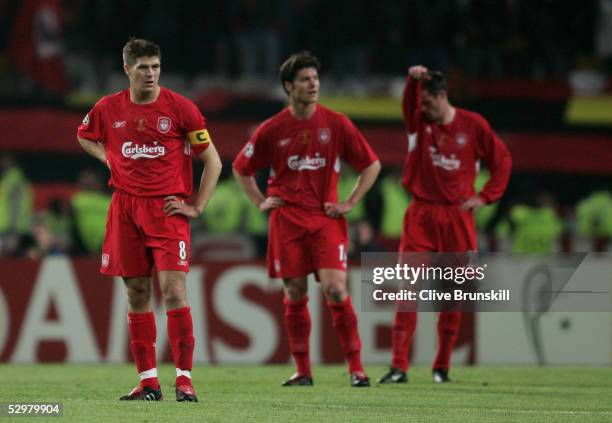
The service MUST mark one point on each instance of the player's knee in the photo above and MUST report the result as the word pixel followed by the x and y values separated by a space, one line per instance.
pixel 335 292
pixel 138 296
pixel 295 293
pixel 174 295
pixel 295 289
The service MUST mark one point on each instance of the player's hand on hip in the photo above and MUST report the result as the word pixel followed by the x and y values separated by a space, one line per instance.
pixel 337 210
pixel 418 72
pixel 175 205
pixel 473 204
pixel 270 203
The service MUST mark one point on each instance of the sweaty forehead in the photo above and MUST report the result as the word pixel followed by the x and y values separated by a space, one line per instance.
pixel 306 73
pixel 147 61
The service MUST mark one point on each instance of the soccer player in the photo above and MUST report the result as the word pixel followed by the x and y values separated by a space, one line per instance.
pixel 445 144
pixel 304 145
pixel 146 135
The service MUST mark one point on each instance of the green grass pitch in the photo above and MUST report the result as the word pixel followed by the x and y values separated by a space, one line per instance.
pixel 252 393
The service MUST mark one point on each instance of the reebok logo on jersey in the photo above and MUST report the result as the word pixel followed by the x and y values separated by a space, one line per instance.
pixel 119 124
pixel 446 163
pixel 306 163
pixel 134 151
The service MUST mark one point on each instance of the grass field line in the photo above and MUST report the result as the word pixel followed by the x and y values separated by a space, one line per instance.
pixel 461 409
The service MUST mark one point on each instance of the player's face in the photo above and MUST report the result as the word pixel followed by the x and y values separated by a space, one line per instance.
pixel 433 106
pixel 305 86
pixel 144 74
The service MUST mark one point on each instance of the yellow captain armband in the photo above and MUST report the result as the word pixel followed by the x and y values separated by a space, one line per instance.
pixel 198 137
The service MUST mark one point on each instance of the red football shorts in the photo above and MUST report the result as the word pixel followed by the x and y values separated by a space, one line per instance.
pixel 301 242
pixel 140 236
pixel 438 227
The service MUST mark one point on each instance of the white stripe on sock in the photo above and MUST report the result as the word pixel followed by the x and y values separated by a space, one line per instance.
pixel 180 372
pixel 148 373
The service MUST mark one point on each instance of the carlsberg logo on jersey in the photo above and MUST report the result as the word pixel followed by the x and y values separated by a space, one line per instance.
pixel 137 151
pixel 446 163
pixel 306 163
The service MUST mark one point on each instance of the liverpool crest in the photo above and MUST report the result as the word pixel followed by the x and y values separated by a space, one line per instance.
pixel 163 124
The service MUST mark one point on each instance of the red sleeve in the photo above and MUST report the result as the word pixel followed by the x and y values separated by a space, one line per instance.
pixel 194 126
pixel 254 155
pixel 411 104
pixel 355 149
pixel 497 157
pixel 92 126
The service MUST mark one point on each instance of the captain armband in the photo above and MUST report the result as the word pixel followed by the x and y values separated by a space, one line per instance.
pixel 198 138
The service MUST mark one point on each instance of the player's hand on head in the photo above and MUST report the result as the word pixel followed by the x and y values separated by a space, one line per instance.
pixel 174 205
pixel 337 210
pixel 472 204
pixel 270 203
pixel 418 72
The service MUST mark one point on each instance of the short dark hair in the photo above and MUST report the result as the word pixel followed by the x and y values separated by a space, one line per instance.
pixel 136 48
pixel 435 82
pixel 295 63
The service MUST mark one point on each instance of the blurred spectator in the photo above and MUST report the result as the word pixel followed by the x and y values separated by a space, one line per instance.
pixel 484 214
pixel 256 25
pixel 225 212
pixel 395 202
pixel 89 206
pixel 58 219
pixel 257 228
pixel 16 201
pixel 536 229
pixel 594 215
pixel 39 242
pixel 346 183
pixel 481 38
pixel 36 47
pixel 362 240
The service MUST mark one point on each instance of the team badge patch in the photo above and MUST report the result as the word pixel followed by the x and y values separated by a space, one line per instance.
pixel 164 124
pixel 249 150
pixel 461 139
pixel 324 135
pixel 105 260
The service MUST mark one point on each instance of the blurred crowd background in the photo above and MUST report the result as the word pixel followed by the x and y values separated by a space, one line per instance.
pixel 538 70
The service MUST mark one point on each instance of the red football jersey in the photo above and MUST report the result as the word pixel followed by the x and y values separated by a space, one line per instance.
pixel 305 155
pixel 148 146
pixel 443 160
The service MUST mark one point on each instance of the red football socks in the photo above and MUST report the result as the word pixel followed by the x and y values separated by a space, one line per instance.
pixel 180 336
pixel 402 332
pixel 345 323
pixel 297 323
pixel 448 330
pixel 143 334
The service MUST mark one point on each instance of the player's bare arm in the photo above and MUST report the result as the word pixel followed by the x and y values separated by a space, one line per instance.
pixel 362 186
pixel 208 181
pixel 95 149
pixel 249 186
